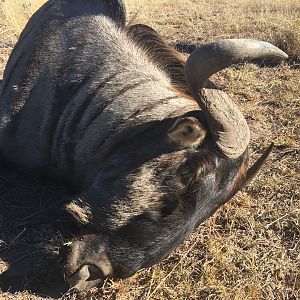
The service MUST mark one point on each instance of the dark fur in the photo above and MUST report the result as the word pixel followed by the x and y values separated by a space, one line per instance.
pixel 166 57
pixel 138 194
pixel 158 51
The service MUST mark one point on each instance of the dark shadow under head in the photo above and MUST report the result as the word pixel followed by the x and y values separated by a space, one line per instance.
pixel 33 225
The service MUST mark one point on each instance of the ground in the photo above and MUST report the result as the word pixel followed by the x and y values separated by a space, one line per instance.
pixel 250 248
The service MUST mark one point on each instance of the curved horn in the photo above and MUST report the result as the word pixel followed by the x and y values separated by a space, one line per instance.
pixel 226 122
pixel 212 58
pixel 254 169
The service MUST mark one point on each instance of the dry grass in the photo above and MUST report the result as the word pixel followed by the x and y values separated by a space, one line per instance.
pixel 250 248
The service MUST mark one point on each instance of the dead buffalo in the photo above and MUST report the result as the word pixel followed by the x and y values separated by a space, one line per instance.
pixel 148 144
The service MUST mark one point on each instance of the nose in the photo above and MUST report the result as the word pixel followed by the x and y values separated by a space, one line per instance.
pixel 86 277
pixel 87 263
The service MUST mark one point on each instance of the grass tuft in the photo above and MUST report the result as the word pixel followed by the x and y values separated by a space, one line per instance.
pixel 288 39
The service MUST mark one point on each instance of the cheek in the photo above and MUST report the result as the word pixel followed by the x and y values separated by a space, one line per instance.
pixel 146 246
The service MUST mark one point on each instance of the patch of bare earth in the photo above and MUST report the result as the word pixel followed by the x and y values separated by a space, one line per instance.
pixel 250 248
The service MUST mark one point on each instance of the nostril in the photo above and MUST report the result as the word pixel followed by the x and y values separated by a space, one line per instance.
pixel 95 273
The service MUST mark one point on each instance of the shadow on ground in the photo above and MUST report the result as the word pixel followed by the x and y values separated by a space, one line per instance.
pixel 33 226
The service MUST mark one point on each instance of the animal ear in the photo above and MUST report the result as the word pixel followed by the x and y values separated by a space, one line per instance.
pixel 188 132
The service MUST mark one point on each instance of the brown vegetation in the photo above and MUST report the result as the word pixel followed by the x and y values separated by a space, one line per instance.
pixel 250 248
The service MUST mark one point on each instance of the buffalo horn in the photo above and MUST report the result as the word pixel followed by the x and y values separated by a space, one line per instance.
pixel 254 169
pixel 226 122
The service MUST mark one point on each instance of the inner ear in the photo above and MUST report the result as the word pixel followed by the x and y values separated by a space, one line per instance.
pixel 188 132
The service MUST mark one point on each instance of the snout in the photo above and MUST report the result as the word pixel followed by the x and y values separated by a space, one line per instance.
pixel 85 278
pixel 87 264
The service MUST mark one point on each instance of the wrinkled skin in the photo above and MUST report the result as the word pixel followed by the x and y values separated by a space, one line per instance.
pixel 88 102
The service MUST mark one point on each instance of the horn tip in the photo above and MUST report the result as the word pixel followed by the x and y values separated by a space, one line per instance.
pixel 284 55
pixel 271 146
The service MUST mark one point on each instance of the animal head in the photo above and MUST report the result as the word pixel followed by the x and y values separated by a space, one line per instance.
pixel 163 177
pixel 171 176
